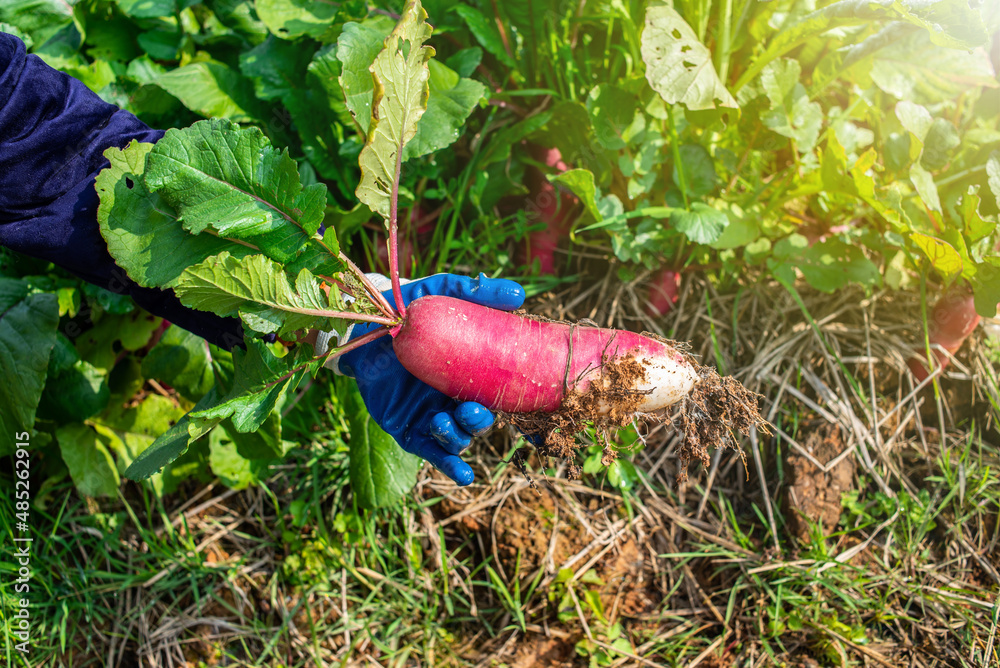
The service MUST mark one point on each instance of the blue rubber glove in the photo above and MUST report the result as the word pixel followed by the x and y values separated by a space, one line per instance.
pixel 424 421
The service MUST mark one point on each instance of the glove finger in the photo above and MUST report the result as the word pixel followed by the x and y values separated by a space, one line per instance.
pixel 498 293
pixel 474 418
pixel 445 462
pixel 448 434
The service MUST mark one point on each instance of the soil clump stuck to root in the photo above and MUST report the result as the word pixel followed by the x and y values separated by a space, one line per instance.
pixel 707 416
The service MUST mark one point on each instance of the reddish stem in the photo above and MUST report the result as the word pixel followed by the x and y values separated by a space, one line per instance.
pixel 357 343
pixel 361 317
pixel 394 237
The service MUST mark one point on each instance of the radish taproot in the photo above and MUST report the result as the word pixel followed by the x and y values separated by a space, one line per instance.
pixel 952 320
pixel 554 380
pixel 549 204
pixel 552 207
pixel 516 364
pixel 662 294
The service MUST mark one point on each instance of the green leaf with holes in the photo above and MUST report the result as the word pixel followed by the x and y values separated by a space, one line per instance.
pixel 401 76
pixel 678 66
pixel 141 229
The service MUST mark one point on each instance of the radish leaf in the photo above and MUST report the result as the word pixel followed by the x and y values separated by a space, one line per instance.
pixel 699 169
pixel 264 443
pixel 973 224
pixel 233 183
pixel 612 110
pixel 678 66
pixel 275 66
pixel 259 291
pixel 259 380
pixel 452 99
pixel 581 183
pixel 75 394
pixel 289 19
pixel 943 256
pixel 792 115
pixel 401 89
pixel 916 69
pixel 314 110
pixel 993 175
pixel 923 182
pixel 90 464
pixel 986 287
pixel 234 470
pixel 127 431
pixel 485 32
pixel 212 89
pixel 357 48
pixel 147 9
pixel 702 224
pixel 27 335
pixel 40 19
pixel 180 359
pixel 950 23
pixel 174 442
pixel 142 231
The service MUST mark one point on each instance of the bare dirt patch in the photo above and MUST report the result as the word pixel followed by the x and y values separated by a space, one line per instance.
pixel 814 494
pixel 628 590
pixel 534 527
pixel 537 651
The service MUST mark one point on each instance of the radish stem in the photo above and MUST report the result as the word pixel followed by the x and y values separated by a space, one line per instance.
pixel 350 315
pixel 358 342
pixel 394 237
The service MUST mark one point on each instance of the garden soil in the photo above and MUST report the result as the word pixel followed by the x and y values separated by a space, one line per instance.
pixel 814 495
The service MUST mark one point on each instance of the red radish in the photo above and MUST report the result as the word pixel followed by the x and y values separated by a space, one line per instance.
pixel 550 205
pixel 553 158
pixel 553 208
pixel 952 320
pixel 662 294
pixel 515 364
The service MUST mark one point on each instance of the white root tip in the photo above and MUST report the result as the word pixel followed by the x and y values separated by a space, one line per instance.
pixel 667 382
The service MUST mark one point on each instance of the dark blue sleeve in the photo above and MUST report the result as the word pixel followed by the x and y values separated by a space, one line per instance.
pixel 53 133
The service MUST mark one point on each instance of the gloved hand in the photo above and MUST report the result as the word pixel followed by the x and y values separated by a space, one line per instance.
pixel 423 421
